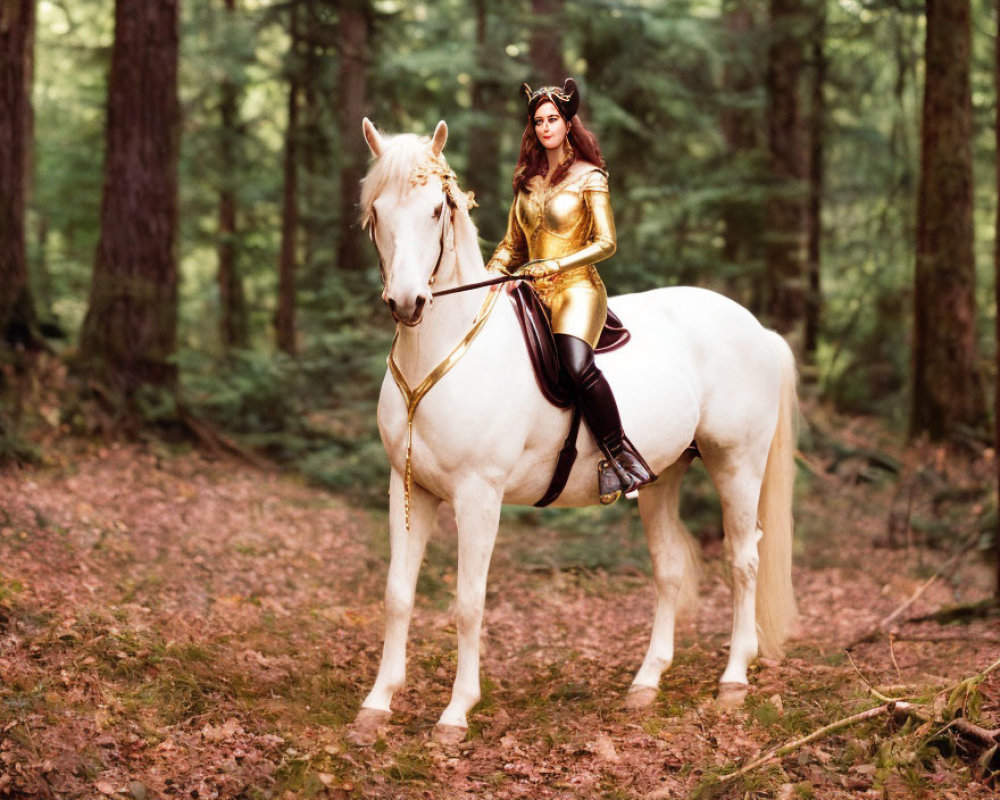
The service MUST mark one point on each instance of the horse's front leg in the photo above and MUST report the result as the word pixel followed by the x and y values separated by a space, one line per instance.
pixel 477 513
pixel 406 554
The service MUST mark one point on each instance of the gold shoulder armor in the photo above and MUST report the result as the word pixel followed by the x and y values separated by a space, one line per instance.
pixel 595 181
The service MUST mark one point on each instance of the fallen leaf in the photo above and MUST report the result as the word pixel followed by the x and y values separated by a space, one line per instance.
pixel 604 748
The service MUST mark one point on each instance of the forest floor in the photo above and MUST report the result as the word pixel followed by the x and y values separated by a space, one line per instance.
pixel 173 625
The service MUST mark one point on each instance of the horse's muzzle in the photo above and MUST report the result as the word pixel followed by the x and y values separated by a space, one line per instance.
pixel 409 314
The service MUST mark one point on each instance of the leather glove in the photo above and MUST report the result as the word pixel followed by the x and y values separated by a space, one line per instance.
pixel 542 269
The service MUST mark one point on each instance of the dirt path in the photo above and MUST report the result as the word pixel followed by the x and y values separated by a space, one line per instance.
pixel 172 626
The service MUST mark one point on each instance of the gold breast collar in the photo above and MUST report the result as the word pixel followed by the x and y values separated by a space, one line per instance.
pixel 412 397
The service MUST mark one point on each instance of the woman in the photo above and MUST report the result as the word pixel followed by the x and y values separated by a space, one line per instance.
pixel 561 217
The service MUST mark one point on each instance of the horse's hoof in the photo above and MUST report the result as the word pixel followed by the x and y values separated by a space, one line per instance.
pixel 449 735
pixel 731 695
pixel 640 697
pixel 368 725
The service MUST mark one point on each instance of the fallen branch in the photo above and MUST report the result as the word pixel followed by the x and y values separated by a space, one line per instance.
pixel 882 626
pixel 907 637
pixel 872 690
pixel 833 727
pixel 217 442
pixel 984 609
pixel 945 570
pixel 985 736
pixel 891 708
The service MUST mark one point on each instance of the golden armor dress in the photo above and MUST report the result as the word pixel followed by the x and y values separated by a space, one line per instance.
pixel 569 225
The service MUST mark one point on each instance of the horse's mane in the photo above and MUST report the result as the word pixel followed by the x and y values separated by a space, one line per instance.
pixel 406 160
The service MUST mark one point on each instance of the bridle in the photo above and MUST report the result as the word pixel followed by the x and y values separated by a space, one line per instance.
pixel 449 202
pixel 445 220
pixel 413 395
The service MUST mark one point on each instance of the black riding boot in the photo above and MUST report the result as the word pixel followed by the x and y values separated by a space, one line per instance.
pixel 625 470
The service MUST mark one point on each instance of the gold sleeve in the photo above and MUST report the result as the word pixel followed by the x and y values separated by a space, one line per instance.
pixel 602 242
pixel 512 251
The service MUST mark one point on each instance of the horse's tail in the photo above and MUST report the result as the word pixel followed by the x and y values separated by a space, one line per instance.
pixel 776 609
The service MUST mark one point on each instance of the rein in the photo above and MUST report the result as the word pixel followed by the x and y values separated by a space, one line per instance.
pixel 491 282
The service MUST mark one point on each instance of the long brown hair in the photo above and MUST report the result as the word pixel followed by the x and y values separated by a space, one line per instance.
pixel 533 160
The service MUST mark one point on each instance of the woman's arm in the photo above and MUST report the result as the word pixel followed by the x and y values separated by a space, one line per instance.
pixel 602 241
pixel 512 251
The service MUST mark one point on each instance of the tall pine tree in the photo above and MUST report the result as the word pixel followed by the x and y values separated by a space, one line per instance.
pixel 17 316
pixel 947 387
pixel 284 315
pixel 130 331
pixel 233 330
pixel 785 212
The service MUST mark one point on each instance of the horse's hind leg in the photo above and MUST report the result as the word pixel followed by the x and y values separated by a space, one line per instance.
pixel 737 474
pixel 477 513
pixel 406 553
pixel 674 565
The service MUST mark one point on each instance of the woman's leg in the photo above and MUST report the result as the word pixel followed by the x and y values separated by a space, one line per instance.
pixel 597 402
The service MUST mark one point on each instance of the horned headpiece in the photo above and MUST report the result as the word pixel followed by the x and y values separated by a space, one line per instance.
pixel 566 99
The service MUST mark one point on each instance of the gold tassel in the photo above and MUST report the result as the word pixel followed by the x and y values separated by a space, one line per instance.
pixel 412 397
pixel 409 469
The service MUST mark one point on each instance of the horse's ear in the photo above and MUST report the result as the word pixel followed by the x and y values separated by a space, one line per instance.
pixel 440 137
pixel 373 137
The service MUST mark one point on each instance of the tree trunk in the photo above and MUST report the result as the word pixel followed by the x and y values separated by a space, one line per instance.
pixel 311 136
pixel 996 290
pixel 739 122
pixel 284 320
pixel 947 387
pixel 354 36
pixel 39 278
pixel 130 331
pixel 814 211
pixel 784 236
pixel 17 314
pixel 546 46
pixel 484 133
pixel 29 80
pixel 232 303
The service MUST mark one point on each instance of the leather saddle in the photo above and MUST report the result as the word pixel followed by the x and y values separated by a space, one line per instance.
pixel 555 385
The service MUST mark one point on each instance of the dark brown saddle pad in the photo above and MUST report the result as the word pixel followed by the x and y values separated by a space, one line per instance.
pixel 536 325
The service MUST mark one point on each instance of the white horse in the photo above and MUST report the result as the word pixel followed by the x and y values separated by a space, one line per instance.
pixel 698 367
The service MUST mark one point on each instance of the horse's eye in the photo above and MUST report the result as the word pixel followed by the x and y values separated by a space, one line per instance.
pixel 437 211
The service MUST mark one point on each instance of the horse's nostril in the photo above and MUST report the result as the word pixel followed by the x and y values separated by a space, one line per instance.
pixel 392 305
pixel 418 310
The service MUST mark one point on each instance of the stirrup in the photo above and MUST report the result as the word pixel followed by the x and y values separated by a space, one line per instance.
pixel 609 484
pixel 623 472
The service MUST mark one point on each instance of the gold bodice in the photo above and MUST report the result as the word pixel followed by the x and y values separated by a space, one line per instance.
pixel 570 223
pixel 571 226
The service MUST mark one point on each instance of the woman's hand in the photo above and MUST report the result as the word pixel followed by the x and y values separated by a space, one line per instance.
pixel 543 269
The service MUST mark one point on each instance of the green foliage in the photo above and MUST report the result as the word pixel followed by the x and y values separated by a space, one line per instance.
pixel 658 79
pixel 253 392
pixel 316 412
pixel 14 447
pixel 72 55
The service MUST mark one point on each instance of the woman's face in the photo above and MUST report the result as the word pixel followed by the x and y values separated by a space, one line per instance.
pixel 550 127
